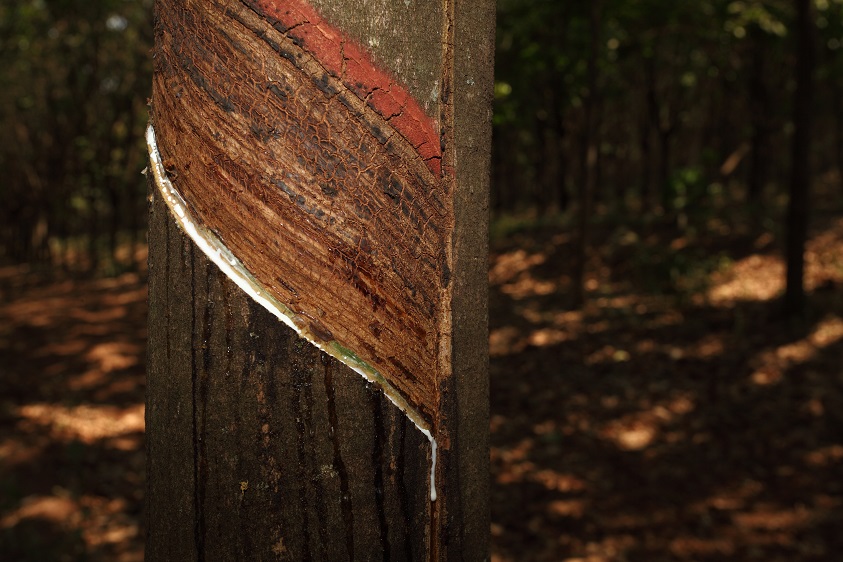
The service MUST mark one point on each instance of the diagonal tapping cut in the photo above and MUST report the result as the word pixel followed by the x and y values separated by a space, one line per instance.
pixel 293 175
pixel 345 60
pixel 234 269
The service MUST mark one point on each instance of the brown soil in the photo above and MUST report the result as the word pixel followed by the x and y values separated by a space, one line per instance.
pixel 690 422
pixel 71 417
pixel 676 417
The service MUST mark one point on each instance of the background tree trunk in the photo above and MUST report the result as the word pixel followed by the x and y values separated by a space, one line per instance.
pixel 261 447
pixel 590 149
pixel 760 115
pixel 800 181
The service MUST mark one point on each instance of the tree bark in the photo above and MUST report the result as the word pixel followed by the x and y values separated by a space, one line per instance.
pixel 259 445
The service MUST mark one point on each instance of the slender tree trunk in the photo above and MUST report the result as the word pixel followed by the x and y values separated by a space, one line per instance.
pixel 653 112
pixel 561 195
pixel 114 219
pixel 664 128
pixel 542 196
pixel 760 109
pixel 665 158
pixel 800 181
pixel 837 90
pixel 259 445
pixel 589 161
pixel 93 229
pixel 645 137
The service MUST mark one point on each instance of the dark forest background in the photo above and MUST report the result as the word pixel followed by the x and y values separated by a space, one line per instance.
pixel 74 82
pixel 627 110
pixel 664 173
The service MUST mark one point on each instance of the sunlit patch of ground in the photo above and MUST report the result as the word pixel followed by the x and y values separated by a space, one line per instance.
pixel 761 276
pixel 648 426
pixel 71 417
pixel 676 416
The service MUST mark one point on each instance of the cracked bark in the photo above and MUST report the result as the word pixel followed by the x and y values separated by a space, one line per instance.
pixel 259 445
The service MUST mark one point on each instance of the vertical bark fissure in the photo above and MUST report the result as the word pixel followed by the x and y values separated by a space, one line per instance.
pixel 247 371
pixel 272 358
pixel 201 384
pixel 338 463
pixel 313 469
pixel 322 499
pixel 400 465
pixel 169 311
pixel 301 451
pixel 197 396
pixel 206 323
pixel 377 463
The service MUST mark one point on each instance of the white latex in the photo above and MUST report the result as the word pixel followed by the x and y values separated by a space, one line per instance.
pixel 218 253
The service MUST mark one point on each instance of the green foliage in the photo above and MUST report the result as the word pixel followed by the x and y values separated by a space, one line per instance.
pixel 681 87
pixel 74 77
pixel 687 189
pixel 767 16
pixel 506 226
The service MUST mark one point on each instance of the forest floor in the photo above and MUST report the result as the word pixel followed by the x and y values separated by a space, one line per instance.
pixel 676 416
pixel 72 374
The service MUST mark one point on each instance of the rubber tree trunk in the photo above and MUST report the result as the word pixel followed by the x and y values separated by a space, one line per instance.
pixel 259 445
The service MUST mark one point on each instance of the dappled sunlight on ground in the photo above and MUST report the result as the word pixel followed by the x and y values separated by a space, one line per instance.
pixel 71 417
pixel 771 365
pixel 761 276
pixel 757 277
pixel 676 416
pixel 86 423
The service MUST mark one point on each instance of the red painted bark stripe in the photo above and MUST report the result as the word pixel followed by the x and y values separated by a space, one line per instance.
pixel 325 45
pixel 354 66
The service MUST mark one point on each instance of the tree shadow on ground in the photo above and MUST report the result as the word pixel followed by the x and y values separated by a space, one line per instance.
pixel 651 425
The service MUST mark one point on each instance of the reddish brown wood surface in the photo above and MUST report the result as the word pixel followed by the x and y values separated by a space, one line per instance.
pixel 318 171
pixel 354 67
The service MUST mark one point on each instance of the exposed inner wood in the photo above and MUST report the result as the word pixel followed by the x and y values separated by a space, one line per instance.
pixel 333 208
pixel 347 61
